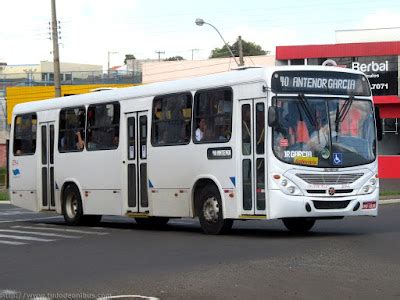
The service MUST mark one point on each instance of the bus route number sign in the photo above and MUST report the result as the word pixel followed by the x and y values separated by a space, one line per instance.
pixel 318 82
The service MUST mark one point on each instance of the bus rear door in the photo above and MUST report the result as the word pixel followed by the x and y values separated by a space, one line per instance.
pixel 135 159
pixel 47 166
pixel 252 154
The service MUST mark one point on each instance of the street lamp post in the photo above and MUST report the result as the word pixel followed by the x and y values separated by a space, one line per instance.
pixel 201 22
pixel 108 62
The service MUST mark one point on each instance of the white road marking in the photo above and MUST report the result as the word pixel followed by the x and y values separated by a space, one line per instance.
pixel 27 220
pixel 27 238
pixel 12 243
pixel 128 296
pixel 60 229
pixel 15 212
pixel 41 233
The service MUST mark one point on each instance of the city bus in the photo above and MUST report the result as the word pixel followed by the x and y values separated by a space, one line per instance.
pixel 296 143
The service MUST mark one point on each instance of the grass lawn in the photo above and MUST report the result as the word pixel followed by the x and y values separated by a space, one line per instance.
pixel 4 196
pixel 389 193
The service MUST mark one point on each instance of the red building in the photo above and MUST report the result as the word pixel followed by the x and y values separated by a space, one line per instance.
pixel 380 62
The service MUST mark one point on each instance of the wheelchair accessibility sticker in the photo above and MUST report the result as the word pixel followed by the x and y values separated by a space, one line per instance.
pixel 337 158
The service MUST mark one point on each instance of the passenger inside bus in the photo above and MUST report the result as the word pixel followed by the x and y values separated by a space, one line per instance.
pixel 201 129
pixel 80 144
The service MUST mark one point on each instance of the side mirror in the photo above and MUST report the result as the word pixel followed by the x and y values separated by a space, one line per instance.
pixel 379 127
pixel 272 116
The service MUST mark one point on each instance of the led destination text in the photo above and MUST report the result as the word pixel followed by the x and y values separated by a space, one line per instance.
pixel 318 83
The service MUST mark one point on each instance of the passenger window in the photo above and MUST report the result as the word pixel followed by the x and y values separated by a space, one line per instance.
pixel 71 137
pixel 213 116
pixel 171 121
pixel 25 127
pixel 102 131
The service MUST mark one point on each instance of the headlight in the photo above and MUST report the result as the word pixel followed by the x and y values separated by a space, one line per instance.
pixel 287 186
pixel 369 187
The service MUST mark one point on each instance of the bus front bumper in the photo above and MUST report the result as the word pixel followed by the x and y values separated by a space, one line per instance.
pixel 285 206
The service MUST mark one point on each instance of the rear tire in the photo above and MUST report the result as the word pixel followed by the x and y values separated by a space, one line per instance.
pixel 298 225
pixel 210 212
pixel 152 221
pixel 72 209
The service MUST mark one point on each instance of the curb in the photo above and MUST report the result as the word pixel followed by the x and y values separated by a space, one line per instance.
pixel 5 202
pixel 389 201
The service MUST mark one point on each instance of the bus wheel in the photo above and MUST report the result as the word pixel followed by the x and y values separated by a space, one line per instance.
pixel 210 212
pixel 152 221
pixel 298 225
pixel 72 206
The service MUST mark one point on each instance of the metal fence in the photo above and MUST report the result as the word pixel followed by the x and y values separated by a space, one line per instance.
pixel 69 78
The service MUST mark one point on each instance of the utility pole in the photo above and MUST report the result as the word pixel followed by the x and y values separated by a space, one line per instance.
pixel 56 54
pixel 159 54
pixel 195 49
pixel 241 60
pixel 108 61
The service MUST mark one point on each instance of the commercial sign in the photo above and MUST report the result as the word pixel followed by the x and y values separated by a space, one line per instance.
pixel 381 71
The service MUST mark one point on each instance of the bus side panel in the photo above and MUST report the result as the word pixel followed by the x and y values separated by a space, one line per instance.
pixel 170 202
pixel 170 179
pixel 173 179
pixel 98 173
pixel 23 181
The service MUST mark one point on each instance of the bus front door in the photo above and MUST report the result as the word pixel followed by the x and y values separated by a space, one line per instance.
pixel 47 166
pixel 136 162
pixel 252 154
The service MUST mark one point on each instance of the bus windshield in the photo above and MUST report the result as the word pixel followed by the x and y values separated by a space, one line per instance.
pixel 324 132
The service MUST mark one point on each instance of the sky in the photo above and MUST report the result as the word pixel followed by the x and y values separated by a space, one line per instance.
pixel 90 29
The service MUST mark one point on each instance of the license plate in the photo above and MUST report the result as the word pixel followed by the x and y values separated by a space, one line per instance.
pixel 369 205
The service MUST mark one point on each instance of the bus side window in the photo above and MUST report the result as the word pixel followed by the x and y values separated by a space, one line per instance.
pixel 213 116
pixel 103 126
pixel 72 129
pixel 171 119
pixel 25 127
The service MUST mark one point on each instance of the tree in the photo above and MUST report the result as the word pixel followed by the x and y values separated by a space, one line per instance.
pixel 128 57
pixel 249 49
pixel 174 58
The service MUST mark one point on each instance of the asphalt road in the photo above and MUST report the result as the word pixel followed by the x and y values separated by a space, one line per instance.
pixel 351 258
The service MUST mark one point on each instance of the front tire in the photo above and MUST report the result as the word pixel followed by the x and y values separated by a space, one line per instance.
pixel 210 212
pixel 298 225
pixel 72 209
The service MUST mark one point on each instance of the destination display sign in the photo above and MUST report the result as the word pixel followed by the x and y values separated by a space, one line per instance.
pixel 320 82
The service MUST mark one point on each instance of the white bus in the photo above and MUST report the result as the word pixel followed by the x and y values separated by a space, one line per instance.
pixel 291 143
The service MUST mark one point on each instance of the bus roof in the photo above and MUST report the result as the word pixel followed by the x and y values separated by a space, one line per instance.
pixel 241 75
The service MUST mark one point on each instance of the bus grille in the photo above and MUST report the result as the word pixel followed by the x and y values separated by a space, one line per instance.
pixel 331 204
pixel 330 179
pixel 343 191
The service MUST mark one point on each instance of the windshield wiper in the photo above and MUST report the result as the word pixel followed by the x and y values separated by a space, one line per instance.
pixel 308 111
pixel 342 113
pixel 344 110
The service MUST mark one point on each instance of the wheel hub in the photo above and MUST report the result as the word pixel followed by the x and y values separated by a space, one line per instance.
pixel 72 207
pixel 211 210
